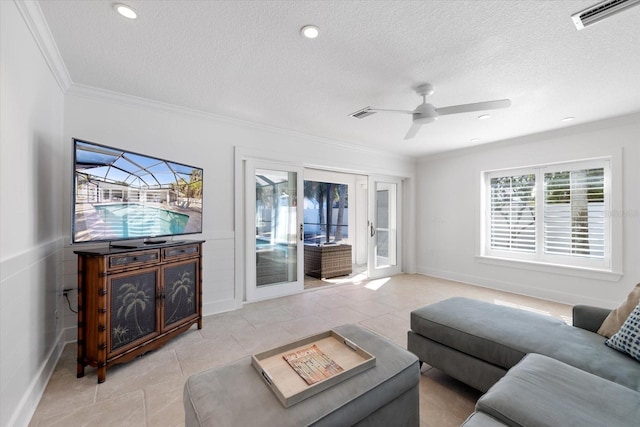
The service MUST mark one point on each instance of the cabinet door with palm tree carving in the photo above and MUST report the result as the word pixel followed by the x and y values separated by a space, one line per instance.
pixel 180 292
pixel 133 308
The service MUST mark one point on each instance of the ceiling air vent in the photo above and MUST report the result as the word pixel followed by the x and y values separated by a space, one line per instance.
pixel 365 112
pixel 600 11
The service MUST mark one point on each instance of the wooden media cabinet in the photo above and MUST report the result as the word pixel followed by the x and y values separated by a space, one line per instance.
pixel 133 300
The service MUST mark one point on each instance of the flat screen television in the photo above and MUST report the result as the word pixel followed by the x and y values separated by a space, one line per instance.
pixel 119 195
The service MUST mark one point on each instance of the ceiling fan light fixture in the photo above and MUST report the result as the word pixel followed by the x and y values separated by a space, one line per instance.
pixel 425 113
pixel 126 11
pixel 310 31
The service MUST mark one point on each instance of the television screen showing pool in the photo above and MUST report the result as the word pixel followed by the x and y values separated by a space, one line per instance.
pixel 121 195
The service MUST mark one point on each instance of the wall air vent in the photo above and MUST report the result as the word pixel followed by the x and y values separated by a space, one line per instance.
pixel 365 112
pixel 600 11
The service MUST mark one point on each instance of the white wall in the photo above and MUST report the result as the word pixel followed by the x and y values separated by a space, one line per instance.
pixel 208 142
pixel 448 211
pixel 31 170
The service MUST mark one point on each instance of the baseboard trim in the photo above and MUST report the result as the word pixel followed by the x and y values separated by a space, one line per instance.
pixel 561 297
pixel 29 401
pixel 217 307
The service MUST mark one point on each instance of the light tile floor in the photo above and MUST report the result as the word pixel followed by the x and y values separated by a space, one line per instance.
pixel 358 273
pixel 148 390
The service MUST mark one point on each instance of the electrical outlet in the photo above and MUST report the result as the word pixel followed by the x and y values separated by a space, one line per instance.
pixel 65 292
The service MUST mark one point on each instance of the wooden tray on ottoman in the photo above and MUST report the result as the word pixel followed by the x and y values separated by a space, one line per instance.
pixel 289 386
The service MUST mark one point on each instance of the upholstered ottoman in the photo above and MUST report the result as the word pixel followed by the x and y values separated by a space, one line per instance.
pixel 540 391
pixel 386 394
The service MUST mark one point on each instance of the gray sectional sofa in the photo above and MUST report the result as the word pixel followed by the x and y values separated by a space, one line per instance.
pixel 572 377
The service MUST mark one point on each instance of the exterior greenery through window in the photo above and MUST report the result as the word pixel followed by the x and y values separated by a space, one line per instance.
pixel 554 214
pixel 326 208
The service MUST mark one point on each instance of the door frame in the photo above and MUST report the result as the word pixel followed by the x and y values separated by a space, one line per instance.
pixel 243 153
pixel 253 291
pixel 374 272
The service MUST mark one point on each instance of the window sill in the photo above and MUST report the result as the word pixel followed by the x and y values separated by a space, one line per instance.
pixel 588 273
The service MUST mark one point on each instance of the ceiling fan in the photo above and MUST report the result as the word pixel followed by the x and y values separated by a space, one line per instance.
pixel 427 113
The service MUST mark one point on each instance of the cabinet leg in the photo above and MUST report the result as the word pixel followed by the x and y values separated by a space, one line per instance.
pixel 200 323
pixel 102 374
pixel 80 370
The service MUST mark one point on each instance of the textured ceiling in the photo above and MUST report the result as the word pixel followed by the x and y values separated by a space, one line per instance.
pixel 246 60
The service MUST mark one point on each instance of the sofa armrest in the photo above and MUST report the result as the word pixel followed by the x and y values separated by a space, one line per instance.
pixel 589 317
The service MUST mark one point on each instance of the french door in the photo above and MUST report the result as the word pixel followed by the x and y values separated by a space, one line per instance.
pixel 274 205
pixel 384 226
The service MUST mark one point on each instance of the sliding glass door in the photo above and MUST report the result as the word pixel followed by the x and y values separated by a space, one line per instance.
pixel 383 226
pixel 274 230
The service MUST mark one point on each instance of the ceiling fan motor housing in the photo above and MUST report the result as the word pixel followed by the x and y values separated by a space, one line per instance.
pixel 425 113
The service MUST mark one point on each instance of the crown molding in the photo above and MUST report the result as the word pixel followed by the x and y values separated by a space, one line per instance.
pixel 92 92
pixel 37 24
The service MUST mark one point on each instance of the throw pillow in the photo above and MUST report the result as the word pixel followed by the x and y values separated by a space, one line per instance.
pixel 616 318
pixel 627 339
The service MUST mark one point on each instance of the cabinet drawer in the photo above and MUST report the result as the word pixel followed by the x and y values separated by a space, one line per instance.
pixel 180 251
pixel 133 258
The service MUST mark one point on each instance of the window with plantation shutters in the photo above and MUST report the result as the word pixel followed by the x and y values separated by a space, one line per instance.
pixel 554 214
pixel 513 224
pixel 574 216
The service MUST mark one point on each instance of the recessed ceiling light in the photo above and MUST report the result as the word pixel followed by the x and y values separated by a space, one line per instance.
pixel 568 119
pixel 310 31
pixel 126 11
pixel 475 140
pixel 484 117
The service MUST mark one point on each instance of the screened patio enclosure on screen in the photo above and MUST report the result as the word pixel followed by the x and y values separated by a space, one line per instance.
pixel 124 195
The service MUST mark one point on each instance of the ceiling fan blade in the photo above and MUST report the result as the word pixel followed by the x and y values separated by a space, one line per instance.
pixel 367 111
pixel 477 106
pixel 391 111
pixel 413 130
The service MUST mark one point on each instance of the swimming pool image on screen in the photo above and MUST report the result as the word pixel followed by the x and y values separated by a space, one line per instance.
pixel 131 220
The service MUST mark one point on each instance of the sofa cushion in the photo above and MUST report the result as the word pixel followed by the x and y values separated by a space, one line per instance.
pixel 504 335
pixel 471 370
pixel 540 391
pixel 480 419
pixel 627 339
pixel 616 318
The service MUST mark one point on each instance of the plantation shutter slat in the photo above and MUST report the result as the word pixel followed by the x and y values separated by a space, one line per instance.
pixel 512 213
pixel 574 217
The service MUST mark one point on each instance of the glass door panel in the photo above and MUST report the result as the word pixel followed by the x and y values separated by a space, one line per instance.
pixel 384 214
pixel 274 253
